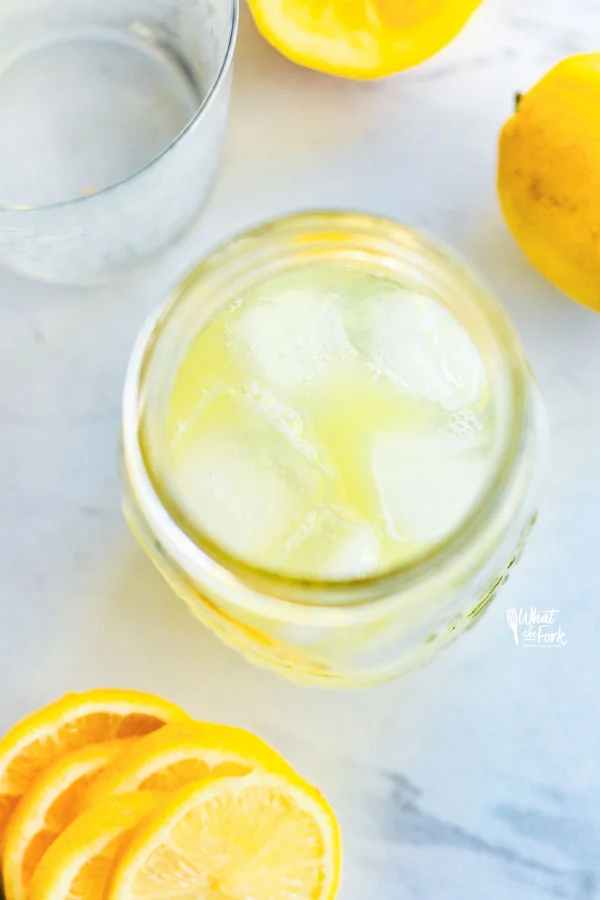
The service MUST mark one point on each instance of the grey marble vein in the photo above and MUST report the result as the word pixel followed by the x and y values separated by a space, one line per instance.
pixel 404 821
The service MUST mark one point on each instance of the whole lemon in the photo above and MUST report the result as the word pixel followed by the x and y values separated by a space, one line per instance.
pixel 549 176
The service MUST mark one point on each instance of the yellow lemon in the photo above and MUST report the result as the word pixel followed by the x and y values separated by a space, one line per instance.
pixel 549 176
pixel 80 862
pixel 269 837
pixel 360 38
pixel 31 747
pixel 182 753
pixel 48 808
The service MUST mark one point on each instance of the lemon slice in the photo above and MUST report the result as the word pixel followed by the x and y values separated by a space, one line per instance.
pixel 261 836
pixel 48 808
pixel 181 753
pixel 69 724
pixel 79 864
pixel 360 38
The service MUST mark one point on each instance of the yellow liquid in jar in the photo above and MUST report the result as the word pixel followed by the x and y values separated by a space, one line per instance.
pixel 330 424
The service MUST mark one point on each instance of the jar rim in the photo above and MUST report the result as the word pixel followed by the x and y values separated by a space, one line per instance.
pixel 265 240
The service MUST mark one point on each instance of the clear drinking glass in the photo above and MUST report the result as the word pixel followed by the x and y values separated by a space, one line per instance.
pixel 337 633
pixel 112 114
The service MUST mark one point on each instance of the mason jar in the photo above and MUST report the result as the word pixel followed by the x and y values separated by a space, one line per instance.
pixel 337 633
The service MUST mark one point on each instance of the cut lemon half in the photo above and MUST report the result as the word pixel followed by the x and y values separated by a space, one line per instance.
pixel 181 753
pixel 79 864
pixel 48 808
pixel 76 720
pixel 262 836
pixel 360 38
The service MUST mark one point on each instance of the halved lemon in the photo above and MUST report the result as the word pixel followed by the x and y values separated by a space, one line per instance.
pixel 181 753
pixel 76 720
pixel 360 38
pixel 79 864
pixel 262 836
pixel 48 809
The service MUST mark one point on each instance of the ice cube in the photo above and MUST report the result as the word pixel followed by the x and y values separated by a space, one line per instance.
pixel 291 340
pixel 241 479
pixel 332 543
pixel 426 488
pixel 419 345
pixel 356 553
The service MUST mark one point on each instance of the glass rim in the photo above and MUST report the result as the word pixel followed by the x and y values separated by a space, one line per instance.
pixel 202 550
pixel 206 101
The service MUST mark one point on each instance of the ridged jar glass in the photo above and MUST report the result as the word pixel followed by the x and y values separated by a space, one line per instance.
pixel 337 633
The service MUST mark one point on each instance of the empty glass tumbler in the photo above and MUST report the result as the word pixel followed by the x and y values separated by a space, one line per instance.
pixel 112 114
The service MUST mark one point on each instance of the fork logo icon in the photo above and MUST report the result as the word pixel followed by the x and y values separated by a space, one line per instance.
pixel 513 623
pixel 536 628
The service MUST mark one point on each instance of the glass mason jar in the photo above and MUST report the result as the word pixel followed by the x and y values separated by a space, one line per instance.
pixel 337 633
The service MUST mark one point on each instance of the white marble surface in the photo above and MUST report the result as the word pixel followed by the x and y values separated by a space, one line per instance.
pixel 477 778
